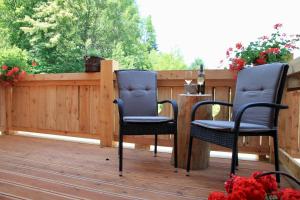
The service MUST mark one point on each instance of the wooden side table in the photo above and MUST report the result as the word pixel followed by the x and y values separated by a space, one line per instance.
pixel 200 151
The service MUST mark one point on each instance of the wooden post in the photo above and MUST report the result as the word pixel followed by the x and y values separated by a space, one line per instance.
pixel 8 111
pixel 107 96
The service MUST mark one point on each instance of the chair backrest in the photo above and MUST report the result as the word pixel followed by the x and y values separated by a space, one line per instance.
pixel 138 90
pixel 264 83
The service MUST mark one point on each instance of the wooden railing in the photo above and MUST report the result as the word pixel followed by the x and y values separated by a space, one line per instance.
pixel 289 121
pixel 77 104
pixel 80 105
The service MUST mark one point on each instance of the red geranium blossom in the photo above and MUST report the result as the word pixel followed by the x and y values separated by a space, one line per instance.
pixel 237 64
pixel 249 188
pixel 254 188
pixel 268 182
pixel 4 67
pixel 239 45
pixel 276 26
pixel 277 47
pixel 217 196
pixel 289 194
pixel 10 75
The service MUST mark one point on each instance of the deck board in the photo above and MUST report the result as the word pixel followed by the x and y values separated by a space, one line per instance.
pixel 34 168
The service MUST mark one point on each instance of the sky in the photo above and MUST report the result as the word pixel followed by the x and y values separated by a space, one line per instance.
pixel 207 28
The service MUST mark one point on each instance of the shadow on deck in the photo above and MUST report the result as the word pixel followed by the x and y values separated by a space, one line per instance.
pixel 34 168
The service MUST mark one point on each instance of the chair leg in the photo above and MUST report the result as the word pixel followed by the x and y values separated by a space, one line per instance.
pixel 188 165
pixel 237 158
pixel 120 154
pixel 234 156
pixel 155 146
pixel 275 139
pixel 175 152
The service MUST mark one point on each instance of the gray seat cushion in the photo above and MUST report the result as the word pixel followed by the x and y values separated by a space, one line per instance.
pixel 138 90
pixel 229 125
pixel 146 119
pixel 258 84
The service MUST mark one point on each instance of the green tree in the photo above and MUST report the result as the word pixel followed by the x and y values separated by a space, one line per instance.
pixel 167 61
pixel 11 12
pixel 149 36
pixel 196 64
pixel 54 39
pixel 57 33
pixel 4 42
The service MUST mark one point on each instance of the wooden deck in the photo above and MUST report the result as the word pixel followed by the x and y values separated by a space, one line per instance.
pixel 33 168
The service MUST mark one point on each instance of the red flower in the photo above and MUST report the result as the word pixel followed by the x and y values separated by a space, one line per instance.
pixel 34 63
pixel 22 75
pixel 238 195
pixel 217 196
pixel 268 182
pixel 290 46
pixel 237 64
pixel 249 188
pixel 10 73
pixel 239 45
pixel 289 194
pixel 227 54
pixel 15 69
pixel 276 26
pixel 4 67
pixel 260 61
pixel 264 187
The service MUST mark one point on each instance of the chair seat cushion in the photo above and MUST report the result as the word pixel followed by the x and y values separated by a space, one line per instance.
pixel 229 125
pixel 146 119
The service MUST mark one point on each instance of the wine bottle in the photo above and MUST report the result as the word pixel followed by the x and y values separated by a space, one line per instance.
pixel 201 80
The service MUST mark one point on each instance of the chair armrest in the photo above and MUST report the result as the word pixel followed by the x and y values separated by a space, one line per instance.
pixel 243 108
pixel 174 106
pixel 120 104
pixel 201 103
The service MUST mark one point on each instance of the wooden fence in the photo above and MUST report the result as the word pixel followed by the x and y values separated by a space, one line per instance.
pixel 80 104
pixel 289 121
pixel 75 104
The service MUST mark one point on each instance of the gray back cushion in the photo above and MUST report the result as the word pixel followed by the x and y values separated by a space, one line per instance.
pixel 138 90
pixel 258 84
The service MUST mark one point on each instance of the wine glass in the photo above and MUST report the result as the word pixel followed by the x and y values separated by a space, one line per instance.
pixel 188 80
pixel 188 77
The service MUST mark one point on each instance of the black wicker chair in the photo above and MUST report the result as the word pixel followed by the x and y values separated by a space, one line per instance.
pixel 138 109
pixel 255 112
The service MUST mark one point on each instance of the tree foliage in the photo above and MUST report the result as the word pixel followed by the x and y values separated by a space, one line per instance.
pixel 58 33
pixel 167 61
pixel 11 13
pixel 196 64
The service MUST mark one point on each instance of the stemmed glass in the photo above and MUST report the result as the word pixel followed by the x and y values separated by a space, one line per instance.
pixel 188 78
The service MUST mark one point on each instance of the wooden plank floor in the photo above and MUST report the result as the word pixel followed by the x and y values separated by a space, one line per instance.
pixel 33 168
